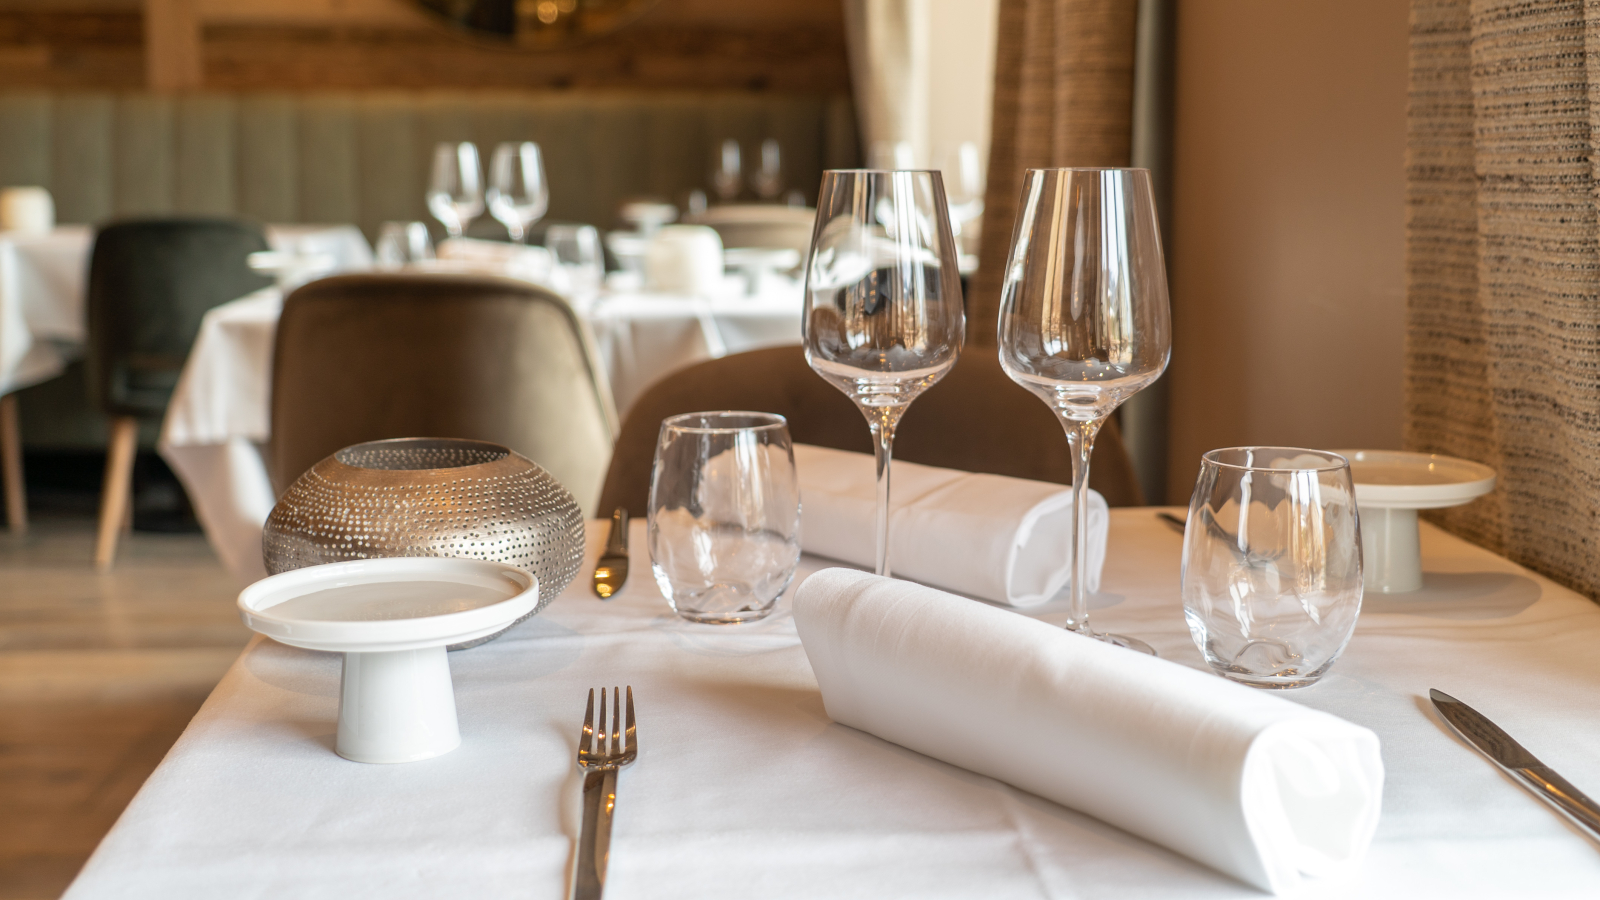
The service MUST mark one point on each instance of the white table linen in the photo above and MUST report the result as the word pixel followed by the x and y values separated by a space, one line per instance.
pixel 988 536
pixel 219 416
pixel 744 788
pixel 1244 781
pixel 44 282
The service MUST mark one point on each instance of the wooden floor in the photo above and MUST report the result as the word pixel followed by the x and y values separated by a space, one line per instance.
pixel 99 674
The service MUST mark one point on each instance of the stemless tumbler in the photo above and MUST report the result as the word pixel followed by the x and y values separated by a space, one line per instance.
pixel 1272 563
pixel 724 515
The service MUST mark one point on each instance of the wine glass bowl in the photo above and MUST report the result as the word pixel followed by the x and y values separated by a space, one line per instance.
pixel 1084 316
pixel 455 193
pixel 518 194
pixel 883 319
pixel 727 177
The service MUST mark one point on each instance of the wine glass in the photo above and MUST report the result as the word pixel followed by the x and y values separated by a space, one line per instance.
pixel 726 178
pixel 767 181
pixel 455 195
pixel 400 243
pixel 1084 320
pixel 518 193
pixel 883 318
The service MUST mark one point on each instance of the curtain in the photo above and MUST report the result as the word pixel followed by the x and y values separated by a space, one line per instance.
pixel 1503 269
pixel 890 99
pixel 1063 96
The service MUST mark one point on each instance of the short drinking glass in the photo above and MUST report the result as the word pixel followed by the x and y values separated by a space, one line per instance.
pixel 1272 564
pixel 724 515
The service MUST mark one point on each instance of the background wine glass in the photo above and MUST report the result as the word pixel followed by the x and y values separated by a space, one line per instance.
pixel 727 178
pixel 455 195
pixel 518 193
pixel 1084 319
pixel 767 181
pixel 883 318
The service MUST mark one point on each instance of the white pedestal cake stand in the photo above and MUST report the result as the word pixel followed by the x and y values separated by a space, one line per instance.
pixel 392 619
pixel 1391 486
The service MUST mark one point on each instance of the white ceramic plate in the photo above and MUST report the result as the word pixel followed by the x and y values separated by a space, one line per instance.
pixel 381 605
pixel 1398 479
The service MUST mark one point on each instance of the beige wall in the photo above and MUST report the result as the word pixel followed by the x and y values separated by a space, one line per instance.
pixel 1288 226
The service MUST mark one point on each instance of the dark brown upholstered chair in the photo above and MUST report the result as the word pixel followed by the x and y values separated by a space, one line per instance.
pixel 975 419
pixel 373 356
pixel 151 281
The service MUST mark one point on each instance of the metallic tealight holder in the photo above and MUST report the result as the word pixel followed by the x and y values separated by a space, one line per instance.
pixel 429 497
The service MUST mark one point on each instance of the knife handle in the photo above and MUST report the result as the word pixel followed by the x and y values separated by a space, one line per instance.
pixel 1561 794
pixel 617 543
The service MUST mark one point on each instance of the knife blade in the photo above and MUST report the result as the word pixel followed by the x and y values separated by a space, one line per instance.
pixel 1524 768
pixel 611 572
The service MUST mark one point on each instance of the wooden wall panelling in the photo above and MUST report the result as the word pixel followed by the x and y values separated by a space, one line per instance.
pixel 174 57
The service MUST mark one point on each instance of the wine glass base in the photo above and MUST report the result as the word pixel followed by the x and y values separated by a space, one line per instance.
pixel 1127 643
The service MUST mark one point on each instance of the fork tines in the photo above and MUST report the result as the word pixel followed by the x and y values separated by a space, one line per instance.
pixel 598 748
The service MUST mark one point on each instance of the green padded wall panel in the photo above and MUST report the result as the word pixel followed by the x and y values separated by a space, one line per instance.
pixel 81 159
pixel 269 158
pixel 204 156
pixel 327 160
pixel 365 158
pixel 25 137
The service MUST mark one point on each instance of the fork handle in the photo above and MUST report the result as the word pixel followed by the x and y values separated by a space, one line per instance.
pixel 594 842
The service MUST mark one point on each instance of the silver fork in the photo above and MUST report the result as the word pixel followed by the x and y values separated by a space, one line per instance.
pixel 601 757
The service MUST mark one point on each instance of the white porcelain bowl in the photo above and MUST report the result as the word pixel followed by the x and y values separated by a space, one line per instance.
pixel 392 619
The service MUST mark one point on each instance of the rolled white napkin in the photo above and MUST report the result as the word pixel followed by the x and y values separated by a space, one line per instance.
pixel 989 536
pixel 499 258
pixel 1246 782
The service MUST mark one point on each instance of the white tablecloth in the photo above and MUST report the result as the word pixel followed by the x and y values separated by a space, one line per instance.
pixel 219 418
pixel 43 280
pixel 743 788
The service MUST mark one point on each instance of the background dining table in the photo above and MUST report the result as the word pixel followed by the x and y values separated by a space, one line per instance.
pixel 744 788
pixel 44 282
pixel 219 416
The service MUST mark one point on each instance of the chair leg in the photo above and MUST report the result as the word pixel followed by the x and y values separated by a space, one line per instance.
pixel 115 494
pixel 11 466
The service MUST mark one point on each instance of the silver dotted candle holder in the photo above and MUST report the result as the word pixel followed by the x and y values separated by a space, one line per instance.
pixel 429 497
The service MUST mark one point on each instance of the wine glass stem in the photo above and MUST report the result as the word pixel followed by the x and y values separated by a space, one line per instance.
pixel 883 450
pixel 1080 437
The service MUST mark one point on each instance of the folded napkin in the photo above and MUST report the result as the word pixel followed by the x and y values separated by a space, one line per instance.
pixel 989 536
pixel 1244 781
pixel 499 258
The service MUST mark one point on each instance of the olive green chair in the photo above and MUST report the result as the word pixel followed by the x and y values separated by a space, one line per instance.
pixel 388 355
pixel 151 281
pixel 976 419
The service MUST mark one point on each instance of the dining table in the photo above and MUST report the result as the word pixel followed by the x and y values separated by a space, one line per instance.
pixel 44 281
pixel 743 787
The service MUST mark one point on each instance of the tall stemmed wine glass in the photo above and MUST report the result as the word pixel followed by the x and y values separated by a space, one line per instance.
pixel 1084 319
pixel 883 318
pixel 455 194
pixel 518 194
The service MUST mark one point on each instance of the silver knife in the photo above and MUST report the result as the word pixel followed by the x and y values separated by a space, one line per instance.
pixel 611 572
pixel 1524 768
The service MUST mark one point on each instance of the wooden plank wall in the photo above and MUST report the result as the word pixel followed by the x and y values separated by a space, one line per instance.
pixel 785 45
